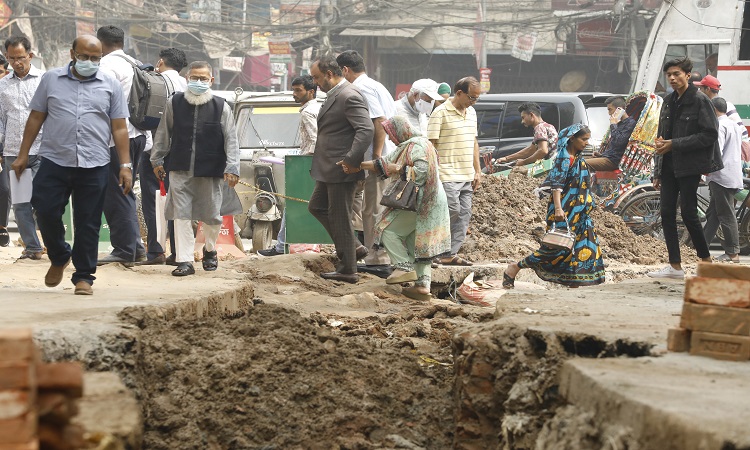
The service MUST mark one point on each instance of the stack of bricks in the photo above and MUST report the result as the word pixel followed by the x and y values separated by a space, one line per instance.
pixel 715 318
pixel 37 400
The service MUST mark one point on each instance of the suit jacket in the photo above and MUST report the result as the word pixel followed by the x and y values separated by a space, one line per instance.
pixel 345 131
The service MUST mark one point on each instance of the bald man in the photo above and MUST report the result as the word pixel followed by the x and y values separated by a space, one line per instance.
pixel 80 108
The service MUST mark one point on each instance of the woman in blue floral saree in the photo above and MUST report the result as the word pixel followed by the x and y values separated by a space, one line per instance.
pixel 569 181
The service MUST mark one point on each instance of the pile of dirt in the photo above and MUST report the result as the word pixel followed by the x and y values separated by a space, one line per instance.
pixel 508 220
pixel 274 379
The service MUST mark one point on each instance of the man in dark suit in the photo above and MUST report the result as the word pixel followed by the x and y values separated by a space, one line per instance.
pixel 345 131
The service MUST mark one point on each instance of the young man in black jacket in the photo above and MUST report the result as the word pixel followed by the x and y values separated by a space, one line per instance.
pixel 687 147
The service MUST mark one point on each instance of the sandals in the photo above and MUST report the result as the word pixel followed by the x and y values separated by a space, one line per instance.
pixel 210 260
pixel 508 281
pixel 4 238
pixel 183 269
pixel 455 260
pixel 399 276
pixel 413 293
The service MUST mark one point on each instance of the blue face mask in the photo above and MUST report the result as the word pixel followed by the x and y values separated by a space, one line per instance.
pixel 198 87
pixel 86 68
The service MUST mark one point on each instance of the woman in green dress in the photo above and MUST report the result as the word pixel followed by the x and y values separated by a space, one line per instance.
pixel 413 239
pixel 570 201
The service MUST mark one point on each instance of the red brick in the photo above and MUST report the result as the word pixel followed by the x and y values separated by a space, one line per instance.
pixel 55 407
pixel 18 375
pixel 15 403
pixel 65 376
pixel 730 271
pixel 720 346
pixel 718 291
pixel 16 345
pixel 68 437
pixel 678 340
pixel 716 319
pixel 21 430
pixel 32 445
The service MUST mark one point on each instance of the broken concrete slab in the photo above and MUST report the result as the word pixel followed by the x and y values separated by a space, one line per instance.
pixel 706 409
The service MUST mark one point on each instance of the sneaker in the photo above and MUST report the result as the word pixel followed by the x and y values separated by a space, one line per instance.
pixel 668 272
pixel 727 259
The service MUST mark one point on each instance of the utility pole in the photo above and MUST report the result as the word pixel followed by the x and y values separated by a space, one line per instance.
pixel 483 12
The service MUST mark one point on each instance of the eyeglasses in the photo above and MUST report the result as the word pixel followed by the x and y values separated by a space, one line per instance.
pixel 13 60
pixel 203 79
pixel 93 59
pixel 473 99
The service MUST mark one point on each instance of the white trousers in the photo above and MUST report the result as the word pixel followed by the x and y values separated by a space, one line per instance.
pixel 185 239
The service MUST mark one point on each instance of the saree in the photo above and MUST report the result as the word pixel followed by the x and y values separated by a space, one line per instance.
pixel 583 266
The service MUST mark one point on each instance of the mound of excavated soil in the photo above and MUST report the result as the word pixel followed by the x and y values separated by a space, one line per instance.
pixel 508 220
pixel 275 379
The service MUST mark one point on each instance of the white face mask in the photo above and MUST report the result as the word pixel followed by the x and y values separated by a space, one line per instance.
pixel 423 106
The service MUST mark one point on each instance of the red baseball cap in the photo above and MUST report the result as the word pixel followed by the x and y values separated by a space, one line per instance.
pixel 709 82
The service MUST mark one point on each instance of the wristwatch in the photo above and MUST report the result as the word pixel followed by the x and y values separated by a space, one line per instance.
pixel 126 166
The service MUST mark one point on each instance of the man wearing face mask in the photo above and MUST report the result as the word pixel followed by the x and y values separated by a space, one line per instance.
pixel 119 210
pixel 418 104
pixel 80 107
pixel 198 133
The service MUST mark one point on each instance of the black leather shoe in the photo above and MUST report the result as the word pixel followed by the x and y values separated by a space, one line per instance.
pixel 156 261
pixel 183 269
pixel 347 277
pixel 171 260
pixel 269 252
pixel 4 237
pixel 210 260
pixel 361 253
pixel 109 259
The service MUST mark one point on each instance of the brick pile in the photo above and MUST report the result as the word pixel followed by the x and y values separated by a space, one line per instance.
pixel 37 400
pixel 715 319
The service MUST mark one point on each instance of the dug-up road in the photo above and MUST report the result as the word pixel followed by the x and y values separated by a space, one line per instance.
pixel 617 386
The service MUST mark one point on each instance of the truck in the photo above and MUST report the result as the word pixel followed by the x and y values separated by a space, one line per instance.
pixel 714 34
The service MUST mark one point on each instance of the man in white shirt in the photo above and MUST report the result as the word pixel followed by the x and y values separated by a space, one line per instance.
pixel 724 184
pixel 171 62
pixel 16 91
pixel 120 210
pixel 418 103
pixel 380 106
pixel 303 91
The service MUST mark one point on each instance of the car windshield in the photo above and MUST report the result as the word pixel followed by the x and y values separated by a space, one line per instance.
pixel 275 126
pixel 598 122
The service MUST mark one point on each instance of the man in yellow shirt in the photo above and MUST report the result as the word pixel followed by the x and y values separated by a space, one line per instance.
pixel 453 130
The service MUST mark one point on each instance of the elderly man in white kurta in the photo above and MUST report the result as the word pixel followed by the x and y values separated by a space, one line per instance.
pixel 198 132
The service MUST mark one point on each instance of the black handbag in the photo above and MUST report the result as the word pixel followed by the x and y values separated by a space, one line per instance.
pixel 401 193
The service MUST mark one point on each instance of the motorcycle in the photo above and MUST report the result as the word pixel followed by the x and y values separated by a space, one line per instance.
pixel 264 215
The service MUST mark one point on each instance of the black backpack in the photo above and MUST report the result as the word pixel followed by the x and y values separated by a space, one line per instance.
pixel 148 97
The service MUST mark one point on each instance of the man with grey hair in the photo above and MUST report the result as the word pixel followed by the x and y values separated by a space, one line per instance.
pixel 198 133
pixel 724 184
pixel 418 103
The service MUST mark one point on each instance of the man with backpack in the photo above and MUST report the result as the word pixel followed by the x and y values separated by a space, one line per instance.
pixel 120 210
pixel 171 62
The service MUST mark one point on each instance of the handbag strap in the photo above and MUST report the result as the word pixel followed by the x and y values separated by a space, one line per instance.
pixel 567 225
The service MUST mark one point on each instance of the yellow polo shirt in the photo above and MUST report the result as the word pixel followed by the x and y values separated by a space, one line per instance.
pixel 455 134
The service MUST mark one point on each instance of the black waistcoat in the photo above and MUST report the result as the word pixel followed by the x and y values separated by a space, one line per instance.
pixel 210 155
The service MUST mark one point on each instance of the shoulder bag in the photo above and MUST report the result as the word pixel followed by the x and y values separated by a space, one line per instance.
pixel 401 193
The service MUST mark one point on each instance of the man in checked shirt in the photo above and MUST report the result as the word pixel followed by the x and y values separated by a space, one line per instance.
pixel 303 91
pixel 16 91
